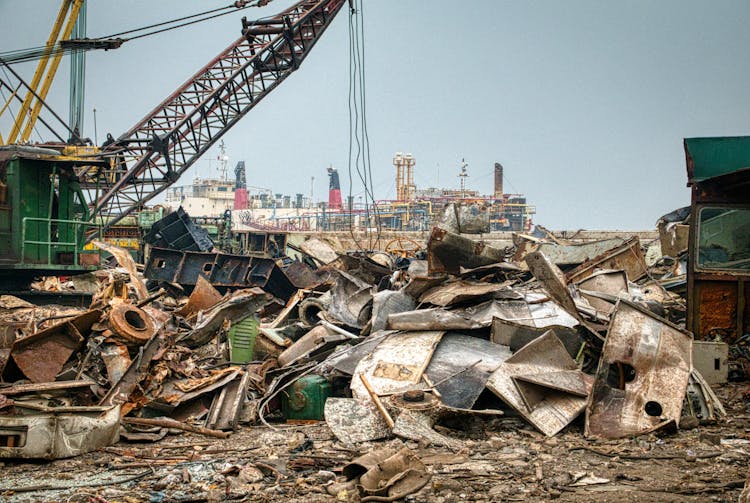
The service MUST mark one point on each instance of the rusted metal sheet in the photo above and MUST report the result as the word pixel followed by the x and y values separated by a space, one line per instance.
pixel 607 282
pixel 542 382
pixel 563 255
pixel 533 311
pixel 553 280
pixel 673 231
pixel 627 257
pixel 321 251
pixel 464 218
pixel 642 376
pixel 459 291
pixel 204 296
pixel 58 432
pixel 351 300
pixel 180 391
pixel 41 356
pixel 460 366
pixel 396 364
pixel 125 261
pixel 700 400
pixel 120 392
pixel 386 303
pixel 353 420
pixel 45 387
pixel 448 252
pixel 717 303
pixel 116 360
pixel 516 335
pixel 226 405
pixel 316 343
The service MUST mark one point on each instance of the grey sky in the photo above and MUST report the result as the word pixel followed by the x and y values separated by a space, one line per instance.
pixel 585 103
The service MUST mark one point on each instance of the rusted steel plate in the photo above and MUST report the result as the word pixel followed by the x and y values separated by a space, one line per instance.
pixel 41 356
pixel 204 296
pixel 532 311
pixel 607 282
pixel 553 280
pixel 461 365
pixel 459 291
pixel 717 309
pixel 547 403
pixel 627 257
pixel 642 377
pixel 397 363
pixel 354 420
pixel 448 252
pixel 123 258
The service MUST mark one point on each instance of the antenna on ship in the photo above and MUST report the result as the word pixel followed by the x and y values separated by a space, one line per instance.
pixel 462 175
pixel 223 159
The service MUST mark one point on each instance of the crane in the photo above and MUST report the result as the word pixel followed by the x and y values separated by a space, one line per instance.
pixel 55 198
pixel 45 72
pixel 153 154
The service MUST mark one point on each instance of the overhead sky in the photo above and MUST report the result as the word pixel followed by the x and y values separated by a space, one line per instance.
pixel 584 102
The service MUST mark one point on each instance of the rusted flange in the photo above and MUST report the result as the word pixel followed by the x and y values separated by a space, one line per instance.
pixel 131 323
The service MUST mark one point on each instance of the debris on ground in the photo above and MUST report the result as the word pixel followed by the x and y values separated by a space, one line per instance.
pixel 369 376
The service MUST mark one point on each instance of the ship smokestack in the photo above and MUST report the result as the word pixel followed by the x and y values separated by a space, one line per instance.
pixel 334 190
pixel 240 187
pixel 498 180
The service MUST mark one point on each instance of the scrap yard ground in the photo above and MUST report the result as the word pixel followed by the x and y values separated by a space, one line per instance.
pixel 500 460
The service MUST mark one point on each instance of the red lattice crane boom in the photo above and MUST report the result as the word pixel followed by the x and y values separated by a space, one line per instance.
pixel 163 145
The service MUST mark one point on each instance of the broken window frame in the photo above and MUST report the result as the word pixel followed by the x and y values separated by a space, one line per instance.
pixel 702 267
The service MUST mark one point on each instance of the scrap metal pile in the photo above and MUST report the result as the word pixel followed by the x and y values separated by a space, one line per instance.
pixel 376 344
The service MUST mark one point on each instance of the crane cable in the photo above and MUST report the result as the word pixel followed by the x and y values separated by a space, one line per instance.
pixel 359 157
pixel 34 53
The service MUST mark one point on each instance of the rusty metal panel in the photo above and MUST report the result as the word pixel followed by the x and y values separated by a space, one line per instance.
pixel 542 382
pixel 204 296
pixel 448 252
pixel 532 311
pixel 462 364
pixel 607 282
pixel 354 420
pixel 642 376
pixel 576 253
pixel 351 299
pixel 459 291
pixel 717 303
pixel 163 264
pixel 226 405
pixel 627 256
pixel 59 432
pixel 230 270
pixel 396 364
pixel 553 280
pixel 41 356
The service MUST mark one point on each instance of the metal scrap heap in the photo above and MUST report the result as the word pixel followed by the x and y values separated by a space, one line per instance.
pixel 378 345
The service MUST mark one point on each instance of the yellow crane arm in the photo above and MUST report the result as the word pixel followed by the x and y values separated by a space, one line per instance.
pixel 29 112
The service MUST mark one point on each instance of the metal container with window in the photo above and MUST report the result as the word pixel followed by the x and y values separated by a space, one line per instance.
pixel 719 248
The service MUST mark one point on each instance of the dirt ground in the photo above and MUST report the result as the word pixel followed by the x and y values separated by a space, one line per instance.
pixel 501 460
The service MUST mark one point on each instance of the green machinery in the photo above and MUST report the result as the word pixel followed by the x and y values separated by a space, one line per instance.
pixel 44 218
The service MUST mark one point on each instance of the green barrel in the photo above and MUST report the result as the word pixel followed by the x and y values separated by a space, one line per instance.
pixel 306 398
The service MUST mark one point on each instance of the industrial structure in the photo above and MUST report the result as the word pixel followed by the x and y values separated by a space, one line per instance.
pixel 414 209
